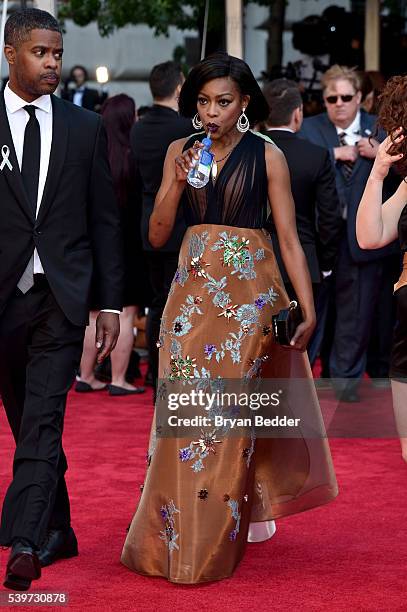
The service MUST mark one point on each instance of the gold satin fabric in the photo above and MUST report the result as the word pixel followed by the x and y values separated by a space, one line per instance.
pixel 175 533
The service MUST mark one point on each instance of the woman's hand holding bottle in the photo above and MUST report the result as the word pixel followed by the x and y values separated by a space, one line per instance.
pixel 186 161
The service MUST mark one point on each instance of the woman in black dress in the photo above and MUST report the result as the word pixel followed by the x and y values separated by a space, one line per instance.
pixel 119 115
pixel 378 225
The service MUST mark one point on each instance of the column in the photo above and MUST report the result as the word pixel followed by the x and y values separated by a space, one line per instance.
pixel 234 27
pixel 46 5
pixel 372 35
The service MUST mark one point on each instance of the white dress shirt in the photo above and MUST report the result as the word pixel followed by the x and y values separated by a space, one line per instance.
pixel 352 136
pixel 352 132
pixel 78 96
pixel 18 119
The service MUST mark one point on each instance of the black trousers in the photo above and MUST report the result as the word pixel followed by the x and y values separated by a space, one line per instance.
pixel 162 267
pixel 384 319
pixel 356 294
pixel 40 352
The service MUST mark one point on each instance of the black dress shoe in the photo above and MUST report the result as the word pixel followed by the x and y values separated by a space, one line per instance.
pixel 84 387
pixel 58 544
pixel 23 566
pixel 116 391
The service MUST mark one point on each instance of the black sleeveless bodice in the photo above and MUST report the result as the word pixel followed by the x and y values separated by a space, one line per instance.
pixel 238 197
pixel 402 229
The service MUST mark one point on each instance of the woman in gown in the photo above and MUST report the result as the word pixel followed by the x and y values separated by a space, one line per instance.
pixel 378 225
pixel 199 495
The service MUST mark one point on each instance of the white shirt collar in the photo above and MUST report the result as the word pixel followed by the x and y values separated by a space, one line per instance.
pixel 281 129
pixel 14 103
pixel 353 128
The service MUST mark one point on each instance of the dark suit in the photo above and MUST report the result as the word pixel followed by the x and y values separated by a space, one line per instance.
pixel 77 235
pixel 358 271
pixel 150 138
pixel 91 99
pixel 318 217
pixel 317 211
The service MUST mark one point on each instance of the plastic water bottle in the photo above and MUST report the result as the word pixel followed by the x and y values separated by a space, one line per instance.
pixel 198 176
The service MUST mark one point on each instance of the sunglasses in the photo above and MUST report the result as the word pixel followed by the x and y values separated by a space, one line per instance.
pixel 345 98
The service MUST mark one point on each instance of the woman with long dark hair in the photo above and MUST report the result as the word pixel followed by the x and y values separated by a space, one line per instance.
pixel 204 486
pixel 119 114
pixel 378 225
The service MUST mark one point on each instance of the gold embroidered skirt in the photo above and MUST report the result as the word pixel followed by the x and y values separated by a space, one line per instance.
pixel 192 520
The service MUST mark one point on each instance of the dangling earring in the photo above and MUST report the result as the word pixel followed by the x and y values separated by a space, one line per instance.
pixel 243 123
pixel 197 123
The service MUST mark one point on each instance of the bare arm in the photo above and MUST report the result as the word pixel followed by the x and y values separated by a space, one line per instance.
pixel 176 167
pixel 376 224
pixel 283 210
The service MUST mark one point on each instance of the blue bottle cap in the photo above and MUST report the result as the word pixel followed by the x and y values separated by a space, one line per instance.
pixel 207 142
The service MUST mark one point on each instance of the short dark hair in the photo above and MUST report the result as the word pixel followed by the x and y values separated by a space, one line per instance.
pixel 79 67
pixel 218 66
pixel 283 97
pixel 20 24
pixel 164 79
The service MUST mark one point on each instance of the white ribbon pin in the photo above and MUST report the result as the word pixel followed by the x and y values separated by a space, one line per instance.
pixel 5 151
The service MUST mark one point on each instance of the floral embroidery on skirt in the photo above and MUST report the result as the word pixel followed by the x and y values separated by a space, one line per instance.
pixel 217 325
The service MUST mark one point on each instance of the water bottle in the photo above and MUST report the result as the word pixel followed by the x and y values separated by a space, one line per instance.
pixel 198 176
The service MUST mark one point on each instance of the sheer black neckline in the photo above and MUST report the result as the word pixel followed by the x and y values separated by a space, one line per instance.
pixel 228 159
pixel 238 197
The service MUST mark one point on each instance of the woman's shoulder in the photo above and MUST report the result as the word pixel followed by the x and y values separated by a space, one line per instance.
pixel 270 147
pixel 260 135
pixel 273 153
pixel 181 144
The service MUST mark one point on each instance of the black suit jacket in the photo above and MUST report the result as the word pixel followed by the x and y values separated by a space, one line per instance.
pixel 91 100
pixel 77 231
pixel 317 207
pixel 150 138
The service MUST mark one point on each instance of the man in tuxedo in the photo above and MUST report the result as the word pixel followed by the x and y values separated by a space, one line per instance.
pixel 77 91
pixel 59 224
pixel 345 130
pixel 318 217
pixel 150 138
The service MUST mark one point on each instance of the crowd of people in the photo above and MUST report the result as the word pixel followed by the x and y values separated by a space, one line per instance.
pixel 100 217
pixel 329 157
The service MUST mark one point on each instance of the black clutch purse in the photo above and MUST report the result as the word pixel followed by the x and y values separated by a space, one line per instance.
pixel 286 322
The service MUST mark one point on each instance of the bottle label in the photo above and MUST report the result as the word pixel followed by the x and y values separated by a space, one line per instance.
pixel 205 163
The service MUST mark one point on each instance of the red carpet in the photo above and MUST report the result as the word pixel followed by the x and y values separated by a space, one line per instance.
pixel 350 555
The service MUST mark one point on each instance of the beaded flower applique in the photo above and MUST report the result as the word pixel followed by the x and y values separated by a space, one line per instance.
pixel 168 534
